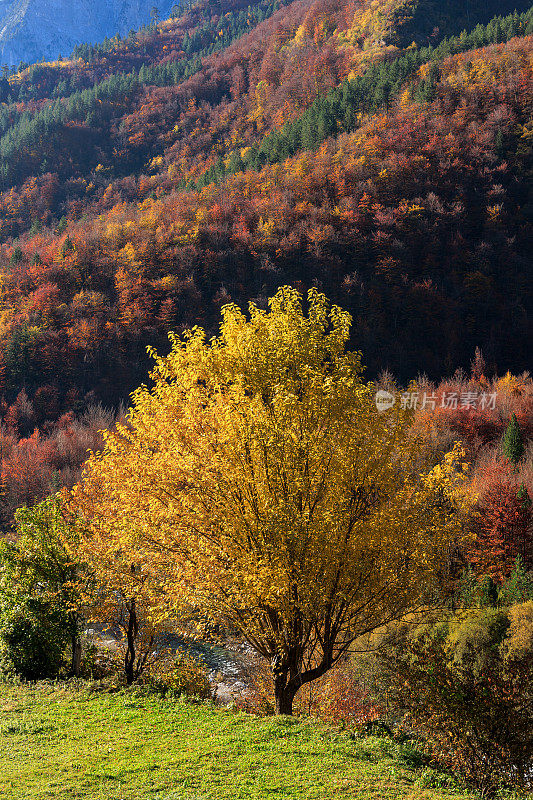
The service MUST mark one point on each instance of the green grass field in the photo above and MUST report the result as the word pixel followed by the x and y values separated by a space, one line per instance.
pixel 59 743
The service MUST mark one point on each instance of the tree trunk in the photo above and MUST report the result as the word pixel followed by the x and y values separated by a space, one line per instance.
pixel 76 655
pixel 284 703
pixel 75 666
pixel 131 636
pixel 288 679
pixel 284 695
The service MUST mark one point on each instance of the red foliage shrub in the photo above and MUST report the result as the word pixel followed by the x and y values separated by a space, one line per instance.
pixel 502 523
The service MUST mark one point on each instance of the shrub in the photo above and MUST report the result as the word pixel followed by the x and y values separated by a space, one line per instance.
pixel 33 640
pixel 179 675
pixel 339 697
pixel 258 695
pixel 98 663
pixel 39 598
pixel 464 684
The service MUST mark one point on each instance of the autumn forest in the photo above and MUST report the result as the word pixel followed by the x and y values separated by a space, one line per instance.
pixel 280 209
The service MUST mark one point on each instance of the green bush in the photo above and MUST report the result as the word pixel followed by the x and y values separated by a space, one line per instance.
pixel 39 597
pixel 33 640
pixel 464 685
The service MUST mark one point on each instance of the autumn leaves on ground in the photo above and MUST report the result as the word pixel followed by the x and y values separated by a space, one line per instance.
pixel 374 160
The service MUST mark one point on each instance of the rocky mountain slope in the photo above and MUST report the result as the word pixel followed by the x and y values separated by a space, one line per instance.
pixel 35 29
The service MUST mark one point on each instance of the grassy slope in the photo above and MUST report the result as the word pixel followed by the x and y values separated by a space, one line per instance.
pixel 55 743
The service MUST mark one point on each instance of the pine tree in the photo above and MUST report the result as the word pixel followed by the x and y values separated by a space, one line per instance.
pixel 309 135
pixel 513 443
pixel 519 587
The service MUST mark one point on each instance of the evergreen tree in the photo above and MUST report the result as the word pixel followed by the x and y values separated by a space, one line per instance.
pixel 513 443
pixel 519 587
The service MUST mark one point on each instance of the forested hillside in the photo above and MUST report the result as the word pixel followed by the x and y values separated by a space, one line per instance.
pixel 381 151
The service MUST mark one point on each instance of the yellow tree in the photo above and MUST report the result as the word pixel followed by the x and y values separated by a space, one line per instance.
pixel 257 484
pixel 117 591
